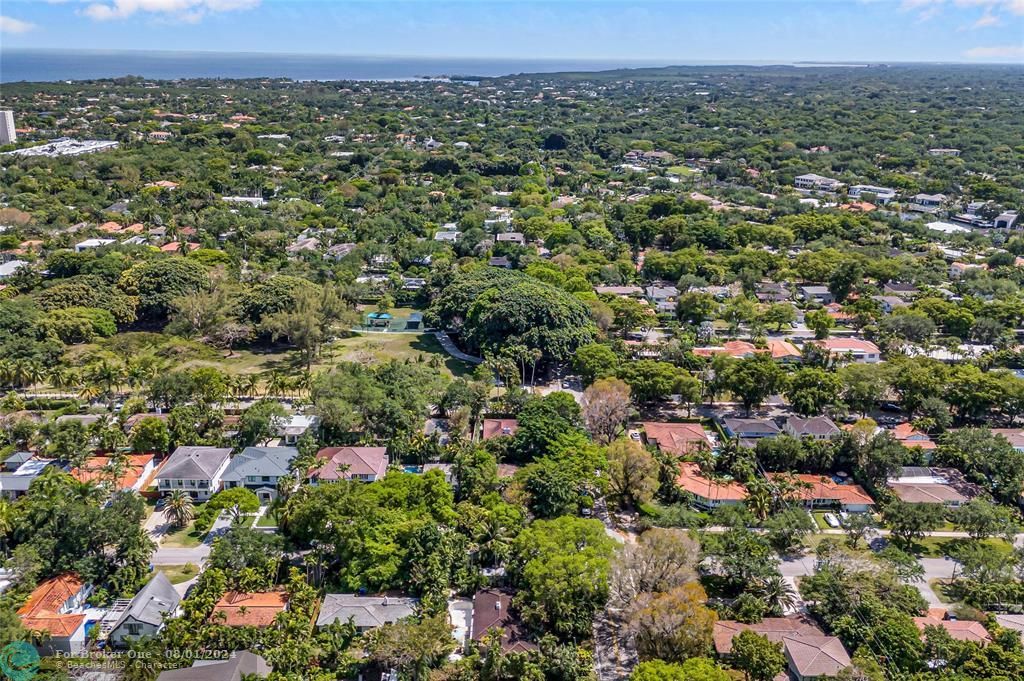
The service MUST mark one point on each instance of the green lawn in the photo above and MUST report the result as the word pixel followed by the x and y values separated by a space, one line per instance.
pixel 179 573
pixel 937 547
pixel 267 520
pixel 939 587
pixel 185 538
pixel 680 170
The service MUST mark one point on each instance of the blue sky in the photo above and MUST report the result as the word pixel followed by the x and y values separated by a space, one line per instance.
pixel 672 31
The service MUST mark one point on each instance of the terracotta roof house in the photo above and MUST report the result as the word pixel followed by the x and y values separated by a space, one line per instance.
pixel 862 351
pixel 815 427
pixel 257 609
pixel 961 630
pixel 57 607
pixel 499 428
pixel 946 486
pixel 491 610
pixel 909 436
pixel 734 348
pixel 1015 436
pixel 350 463
pixel 677 438
pixel 622 291
pixel 819 490
pixel 137 474
pixel 810 654
pixel 814 657
pixel 241 664
pixel 783 351
pixel 772 628
pixel 365 612
pixel 708 493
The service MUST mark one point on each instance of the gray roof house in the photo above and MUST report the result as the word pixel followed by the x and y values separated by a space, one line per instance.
pixel 816 427
pixel 259 469
pixel 750 429
pixel 240 664
pixel 145 615
pixel 366 612
pixel 197 470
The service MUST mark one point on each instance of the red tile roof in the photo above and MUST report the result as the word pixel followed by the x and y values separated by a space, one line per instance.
pixel 772 628
pixel 95 468
pixel 961 630
pixel 677 438
pixel 810 487
pixel 358 460
pixel 256 609
pixel 499 427
pixel 691 480
pixel 41 611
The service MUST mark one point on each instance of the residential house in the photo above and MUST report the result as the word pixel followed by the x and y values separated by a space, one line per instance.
pixel 11 267
pixel 783 351
pixel 196 470
pixel 883 195
pixel 365 612
pixel 296 426
pixel 815 182
pixel 946 227
pixel 1015 436
pixel 912 438
pixel 946 486
pixel 93 243
pixel 136 475
pixel 145 615
pixel 57 607
pixel 1006 220
pixel 815 427
pixel 259 469
pixel 927 203
pixel 890 303
pixel 958 269
pixel 749 430
pixel 492 610
pixel 815 657
pixel 500 261
pixel 1014 622
pixel 960 630
pixel 367 464
pixel 857 349
pixel 511 238
pixel 241 665
pixel 943 152
pixel 338 251
pixel 734 348
pixel 255 609
pixel 498 428
pixel 620 291
pixel 449 236
pixel 817 294
pixel 771 292
pixel 810 654
pixel 895 288
pixel 663 297
pixel 680 439
pixel 818 491
pixel 707 493
pixel 18 472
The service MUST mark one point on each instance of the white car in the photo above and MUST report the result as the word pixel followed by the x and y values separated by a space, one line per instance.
pixel 831 520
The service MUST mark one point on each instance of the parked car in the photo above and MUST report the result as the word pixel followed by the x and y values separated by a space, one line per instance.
pixel 831 520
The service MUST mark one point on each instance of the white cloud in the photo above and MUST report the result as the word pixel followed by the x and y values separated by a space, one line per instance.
pixel 12 25
pixel 987 20
pixel 996 52
pixel 184 10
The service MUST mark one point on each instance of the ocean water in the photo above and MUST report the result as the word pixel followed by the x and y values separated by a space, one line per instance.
pixel 53 65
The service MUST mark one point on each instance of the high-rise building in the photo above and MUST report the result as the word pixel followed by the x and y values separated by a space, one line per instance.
pixel 7 134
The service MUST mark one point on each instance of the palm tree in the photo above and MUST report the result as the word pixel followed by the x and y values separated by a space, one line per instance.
pixel 777 592
pixel 179 510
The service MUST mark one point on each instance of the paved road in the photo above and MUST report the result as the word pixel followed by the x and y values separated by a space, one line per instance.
pixel 450 348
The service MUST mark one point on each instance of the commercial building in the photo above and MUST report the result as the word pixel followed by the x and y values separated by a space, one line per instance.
pixel 7 133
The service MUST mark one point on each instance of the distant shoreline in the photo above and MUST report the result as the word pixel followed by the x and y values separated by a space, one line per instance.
pixel 55 65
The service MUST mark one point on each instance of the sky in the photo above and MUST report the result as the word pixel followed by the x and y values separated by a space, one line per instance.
pixel 669 31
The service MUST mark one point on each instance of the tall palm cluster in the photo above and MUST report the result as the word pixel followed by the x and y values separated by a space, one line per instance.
pixel 106 379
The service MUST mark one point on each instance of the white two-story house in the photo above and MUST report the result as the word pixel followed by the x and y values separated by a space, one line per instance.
pixel 196 470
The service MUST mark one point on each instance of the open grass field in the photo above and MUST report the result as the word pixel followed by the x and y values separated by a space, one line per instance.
pixel 937 547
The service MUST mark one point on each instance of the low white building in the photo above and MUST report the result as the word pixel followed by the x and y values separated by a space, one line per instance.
pixel 93 243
